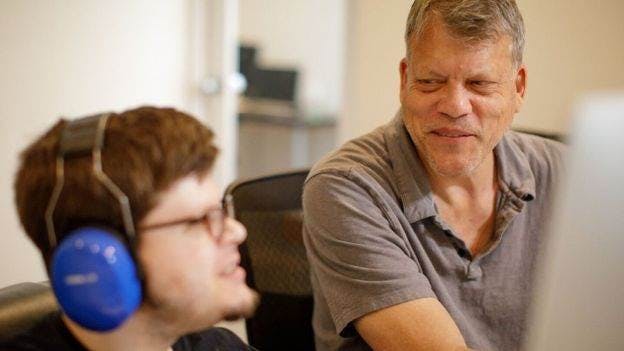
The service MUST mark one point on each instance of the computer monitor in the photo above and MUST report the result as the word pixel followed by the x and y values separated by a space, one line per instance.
pixel 579 298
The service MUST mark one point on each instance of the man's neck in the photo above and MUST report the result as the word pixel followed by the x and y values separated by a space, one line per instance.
pixel 467 204
pixel 139 332
pixel 455 190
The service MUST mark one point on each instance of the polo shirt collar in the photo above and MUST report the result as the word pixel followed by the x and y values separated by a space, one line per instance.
pixel 412 181
pixel 514 170
pixel 411 177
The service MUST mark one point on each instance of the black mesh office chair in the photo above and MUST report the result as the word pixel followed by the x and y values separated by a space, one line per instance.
pixel 22 306
pixel 275 260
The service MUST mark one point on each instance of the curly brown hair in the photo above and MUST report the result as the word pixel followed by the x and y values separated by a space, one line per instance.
pixel 146 149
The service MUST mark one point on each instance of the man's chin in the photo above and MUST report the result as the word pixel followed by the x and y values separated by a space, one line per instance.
pixel 244 309
pixel 452 165
pixel 455 171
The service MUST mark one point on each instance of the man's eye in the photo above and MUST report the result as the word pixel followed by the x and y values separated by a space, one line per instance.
pixel 196 221
pixel 428 85
pixel 481 83
pixel 428 81
pixel 482 86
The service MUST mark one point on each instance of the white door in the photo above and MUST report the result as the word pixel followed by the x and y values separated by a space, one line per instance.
pixel 216 54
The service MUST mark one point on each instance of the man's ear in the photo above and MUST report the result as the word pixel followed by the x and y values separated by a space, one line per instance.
pixel 403 76
pixel 521 85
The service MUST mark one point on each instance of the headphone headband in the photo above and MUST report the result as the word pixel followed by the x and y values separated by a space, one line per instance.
pixel 80 138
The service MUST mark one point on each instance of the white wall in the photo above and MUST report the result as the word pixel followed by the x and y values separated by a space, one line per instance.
pixel 573 46
pixel 374 49
pixel 74 57
pixel 302 34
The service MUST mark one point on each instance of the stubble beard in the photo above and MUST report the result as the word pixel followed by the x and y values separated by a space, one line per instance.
pixel 433 158
pixel 451 168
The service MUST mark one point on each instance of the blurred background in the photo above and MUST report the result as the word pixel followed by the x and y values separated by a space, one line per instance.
pixel 281 82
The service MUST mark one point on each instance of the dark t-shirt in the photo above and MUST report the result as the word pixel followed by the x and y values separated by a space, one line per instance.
pixel 52 334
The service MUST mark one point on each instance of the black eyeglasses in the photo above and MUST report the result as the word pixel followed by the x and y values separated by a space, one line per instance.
pixel 213 219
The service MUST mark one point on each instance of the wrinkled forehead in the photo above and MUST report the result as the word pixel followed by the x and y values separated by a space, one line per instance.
pixel 439 47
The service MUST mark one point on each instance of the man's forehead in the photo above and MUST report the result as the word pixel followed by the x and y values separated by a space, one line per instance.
pixel 187 197
pixel 192 189
pixel 444 57
pixel 440 70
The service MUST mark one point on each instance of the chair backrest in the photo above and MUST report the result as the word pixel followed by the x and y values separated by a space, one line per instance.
pixel 275 260
pixel 22 306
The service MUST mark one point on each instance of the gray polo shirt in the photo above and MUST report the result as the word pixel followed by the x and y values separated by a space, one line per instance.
pixel 375 239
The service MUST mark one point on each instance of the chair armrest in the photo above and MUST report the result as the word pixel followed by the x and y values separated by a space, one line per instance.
pixel 23 305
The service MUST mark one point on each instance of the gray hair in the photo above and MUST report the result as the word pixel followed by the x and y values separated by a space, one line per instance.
pixel 473 20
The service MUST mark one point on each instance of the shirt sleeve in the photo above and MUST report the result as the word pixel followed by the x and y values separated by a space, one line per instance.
pixel 359 256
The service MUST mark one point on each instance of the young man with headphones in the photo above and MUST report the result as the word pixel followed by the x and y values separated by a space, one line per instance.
pixel 141 252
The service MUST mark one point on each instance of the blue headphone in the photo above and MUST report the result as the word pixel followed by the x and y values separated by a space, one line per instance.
pixel 93 271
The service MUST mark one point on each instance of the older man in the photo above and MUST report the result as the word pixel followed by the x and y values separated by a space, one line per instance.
pixel 422 234
pixel 146 260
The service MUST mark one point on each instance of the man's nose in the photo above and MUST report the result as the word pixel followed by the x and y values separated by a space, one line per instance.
pixel 455 101
pixel 234 233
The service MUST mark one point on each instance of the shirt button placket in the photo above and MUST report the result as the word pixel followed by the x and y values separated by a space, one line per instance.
pixel 473 271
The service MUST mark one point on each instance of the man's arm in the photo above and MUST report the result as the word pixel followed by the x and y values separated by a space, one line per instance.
pixel 422 324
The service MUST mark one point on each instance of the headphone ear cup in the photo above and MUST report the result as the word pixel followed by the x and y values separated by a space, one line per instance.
pixel 95 279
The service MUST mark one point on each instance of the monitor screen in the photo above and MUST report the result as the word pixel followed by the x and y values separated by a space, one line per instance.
pixel 579 299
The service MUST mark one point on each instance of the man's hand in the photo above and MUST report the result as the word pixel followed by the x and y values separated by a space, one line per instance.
pixel 422 324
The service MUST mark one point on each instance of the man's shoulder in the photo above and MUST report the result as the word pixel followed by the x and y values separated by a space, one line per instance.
pixel 543 157
pixel 536 145
pixel 367 154
pixel 541 153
